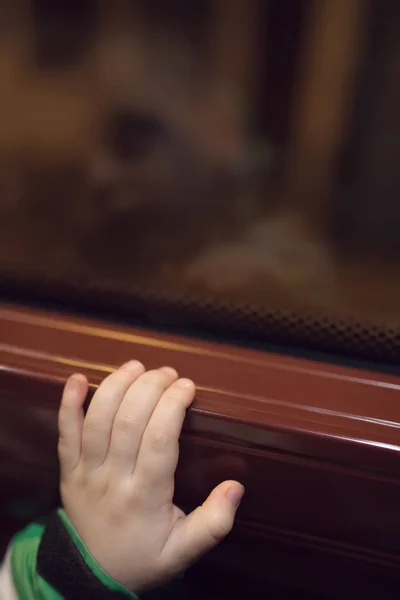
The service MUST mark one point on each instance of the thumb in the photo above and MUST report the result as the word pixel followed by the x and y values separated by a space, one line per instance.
pixel 205 527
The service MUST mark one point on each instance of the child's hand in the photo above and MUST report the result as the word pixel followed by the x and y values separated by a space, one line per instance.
pixel 117 476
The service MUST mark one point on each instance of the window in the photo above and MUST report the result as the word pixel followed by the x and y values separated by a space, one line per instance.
pixel 226 166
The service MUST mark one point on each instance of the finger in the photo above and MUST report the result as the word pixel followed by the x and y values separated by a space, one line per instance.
pixel 159 450
pixel 98 423
pixel 204 528
pixel 70 422
pixel 133 416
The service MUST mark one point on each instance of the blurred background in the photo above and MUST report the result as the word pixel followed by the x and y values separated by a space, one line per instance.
pixel 230 167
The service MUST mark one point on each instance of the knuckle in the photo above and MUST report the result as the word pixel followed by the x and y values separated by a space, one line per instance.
pixel 62 448
pixel 62 443
pixel 125 422
pixel 219 528
pixel 95 426
pixel 120 376
pixel 129 494
pixel 169 371
pixel 154 379
pixel 159 442
pixel 176 402
pixel 75 478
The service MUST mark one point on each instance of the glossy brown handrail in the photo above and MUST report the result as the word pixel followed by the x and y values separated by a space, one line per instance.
pixel 338 413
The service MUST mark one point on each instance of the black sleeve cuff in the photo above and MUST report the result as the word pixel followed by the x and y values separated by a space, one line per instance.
pixel 63 567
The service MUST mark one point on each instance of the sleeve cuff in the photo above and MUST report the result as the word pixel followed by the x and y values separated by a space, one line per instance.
pixel 66 564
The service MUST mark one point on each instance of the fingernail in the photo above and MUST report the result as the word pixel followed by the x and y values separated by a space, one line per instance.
pixel 132 365
pixel 169 371
pixel 75 382
pixel 185 383
pixel 235 494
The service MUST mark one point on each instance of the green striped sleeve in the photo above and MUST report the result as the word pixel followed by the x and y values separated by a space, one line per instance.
pixel 28 584
pixel 51 562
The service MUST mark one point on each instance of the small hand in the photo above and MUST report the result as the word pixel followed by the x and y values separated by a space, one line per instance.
pixel 117 476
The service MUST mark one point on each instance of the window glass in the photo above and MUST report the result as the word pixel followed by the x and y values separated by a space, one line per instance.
pixel 228 165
